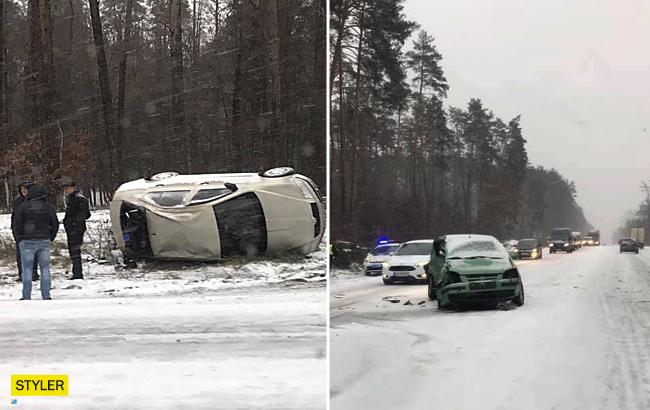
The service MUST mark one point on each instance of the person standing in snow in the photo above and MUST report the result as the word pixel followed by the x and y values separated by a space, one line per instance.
pixel 23 190
pixel 76 212
pixel 35 227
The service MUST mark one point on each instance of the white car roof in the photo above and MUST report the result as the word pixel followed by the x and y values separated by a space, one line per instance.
pixel 239 178
pixel 419 241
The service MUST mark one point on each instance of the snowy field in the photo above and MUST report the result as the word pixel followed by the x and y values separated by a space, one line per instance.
pixel 581 341
pixel 231 335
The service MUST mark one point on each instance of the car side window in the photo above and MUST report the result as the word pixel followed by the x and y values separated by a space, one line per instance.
pixel 207 195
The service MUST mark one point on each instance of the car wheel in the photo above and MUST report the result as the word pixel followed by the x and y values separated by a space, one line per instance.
pixel 278 172
pixel 388 282
pixel 162 176
pixel 520 298
pixel 637 252
pixel 431 289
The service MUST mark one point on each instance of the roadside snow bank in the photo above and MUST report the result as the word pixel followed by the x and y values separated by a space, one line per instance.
pixel 155 278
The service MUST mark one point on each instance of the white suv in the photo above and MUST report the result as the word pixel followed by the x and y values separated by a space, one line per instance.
pixel 408 262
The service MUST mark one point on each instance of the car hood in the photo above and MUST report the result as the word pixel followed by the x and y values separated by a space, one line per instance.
pixel 408 259
pixel 479 266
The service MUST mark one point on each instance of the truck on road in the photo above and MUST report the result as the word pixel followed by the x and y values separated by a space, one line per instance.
pixel 594 234
pixel 638 234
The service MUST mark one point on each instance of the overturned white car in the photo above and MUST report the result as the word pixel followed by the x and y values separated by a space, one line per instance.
pixel 216 216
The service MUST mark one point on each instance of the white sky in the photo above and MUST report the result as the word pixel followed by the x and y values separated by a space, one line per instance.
pixel 577 71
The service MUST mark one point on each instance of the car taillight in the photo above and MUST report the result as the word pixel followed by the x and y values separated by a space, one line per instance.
pixel 454 277
pixel 511 274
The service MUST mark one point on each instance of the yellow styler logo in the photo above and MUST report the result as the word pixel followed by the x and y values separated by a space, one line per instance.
pixel 39 384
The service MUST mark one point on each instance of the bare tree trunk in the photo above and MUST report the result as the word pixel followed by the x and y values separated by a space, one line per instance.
pixel 107 99
pixel 3 84
pixel 121 88
pixel 178 111
pixel 274 53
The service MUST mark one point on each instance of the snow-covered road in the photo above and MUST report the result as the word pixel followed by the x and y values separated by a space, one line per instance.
pixel 250 349
pixel 581 341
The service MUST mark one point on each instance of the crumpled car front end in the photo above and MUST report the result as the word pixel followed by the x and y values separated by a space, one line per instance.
pixel 479 281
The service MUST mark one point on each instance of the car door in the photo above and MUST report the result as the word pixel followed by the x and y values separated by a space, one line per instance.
pixel 437 260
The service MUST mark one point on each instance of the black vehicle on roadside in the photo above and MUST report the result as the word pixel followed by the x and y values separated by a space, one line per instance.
pixel 561 239
pixel 628 245
pixel 529 249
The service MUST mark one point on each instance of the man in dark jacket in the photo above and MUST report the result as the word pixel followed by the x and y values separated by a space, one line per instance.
pixel 35 227
pixel 77 210
pixel 23 190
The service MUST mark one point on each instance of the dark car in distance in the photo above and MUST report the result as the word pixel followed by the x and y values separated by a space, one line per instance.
pixel 628 245
pixel 529 249
pixel 561 239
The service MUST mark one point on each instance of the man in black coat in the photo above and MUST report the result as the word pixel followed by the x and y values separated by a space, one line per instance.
pixel 76 212
pixel 23 190
pixel 35 227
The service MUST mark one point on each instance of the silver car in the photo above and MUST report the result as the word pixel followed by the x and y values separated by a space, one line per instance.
pixel 214 216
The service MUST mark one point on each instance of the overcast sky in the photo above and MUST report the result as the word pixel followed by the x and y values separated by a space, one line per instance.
pixel 579 74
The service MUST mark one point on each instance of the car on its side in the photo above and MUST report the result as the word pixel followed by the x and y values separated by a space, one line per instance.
pixel 373 264
pixel 561 239
pixel 530 249
pixel 628 245
pixel 216 216
pixel 407 264
pixel 470 269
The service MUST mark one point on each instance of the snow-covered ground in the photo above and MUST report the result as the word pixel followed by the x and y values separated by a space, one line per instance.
pixel 228 335
pixel 581 341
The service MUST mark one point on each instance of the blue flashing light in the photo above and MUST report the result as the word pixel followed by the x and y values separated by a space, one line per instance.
pixel 383 241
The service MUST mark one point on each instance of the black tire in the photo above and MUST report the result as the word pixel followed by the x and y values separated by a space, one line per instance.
pixel 278 172
pixel 431 289
pixel 388 282
pixel 521 297
pixel 637 252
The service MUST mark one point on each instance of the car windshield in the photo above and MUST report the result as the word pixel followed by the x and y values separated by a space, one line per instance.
pixel 560 236
pixel 628 242
pixel 476 249
pixel 527 244
pixel 418 248
pixel 384 250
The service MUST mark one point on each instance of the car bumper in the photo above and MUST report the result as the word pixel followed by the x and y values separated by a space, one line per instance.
pixel 628 249
pixel 479 292
pixel 406 276
pixel 528 255
pixel 373 269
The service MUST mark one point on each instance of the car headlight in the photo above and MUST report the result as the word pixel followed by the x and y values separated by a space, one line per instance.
pixel 550 245
pixel 511 274
pixel 566 245
pixel 453 277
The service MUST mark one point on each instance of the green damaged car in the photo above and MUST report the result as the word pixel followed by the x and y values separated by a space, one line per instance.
pixel 472 269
